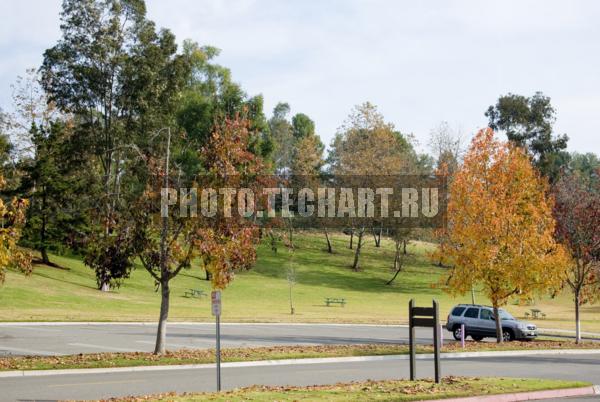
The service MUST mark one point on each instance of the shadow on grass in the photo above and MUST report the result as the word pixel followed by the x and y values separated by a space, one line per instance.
pixel 64 281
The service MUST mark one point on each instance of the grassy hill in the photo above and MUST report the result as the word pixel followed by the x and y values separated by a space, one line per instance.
pixel 261 294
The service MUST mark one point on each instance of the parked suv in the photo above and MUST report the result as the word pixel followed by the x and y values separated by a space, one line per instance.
pixel 480 323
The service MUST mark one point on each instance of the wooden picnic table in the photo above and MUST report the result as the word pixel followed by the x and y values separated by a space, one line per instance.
pixel 536 313
pixel 194 293
pixel 333 300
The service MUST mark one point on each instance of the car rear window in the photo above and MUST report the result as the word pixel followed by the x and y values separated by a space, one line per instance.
pixel 472 312
pixel 458 311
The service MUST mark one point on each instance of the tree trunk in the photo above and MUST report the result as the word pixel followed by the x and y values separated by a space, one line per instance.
pixel 291 235
pixel 208 276
pixel 404 246
pixel 377 236
pixel 577 320
pixel 43 249
pixel 161 334
pixel 355 265
pixel 329 249
pixel 498 321
pixel 351 238
pixel 397 263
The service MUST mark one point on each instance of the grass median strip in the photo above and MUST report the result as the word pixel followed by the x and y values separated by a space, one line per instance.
pixel 201 356
pixel 396 390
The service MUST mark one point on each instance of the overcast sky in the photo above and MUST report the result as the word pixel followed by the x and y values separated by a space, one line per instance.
pixel 420 62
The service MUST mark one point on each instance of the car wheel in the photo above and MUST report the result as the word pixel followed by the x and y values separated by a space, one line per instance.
pixel 477 338
pixel 507 335
pixel 457 333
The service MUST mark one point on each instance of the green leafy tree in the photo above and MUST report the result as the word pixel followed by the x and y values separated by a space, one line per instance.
pixel 528 123
pixel 302 126
pixel 120 79
pixel 283 137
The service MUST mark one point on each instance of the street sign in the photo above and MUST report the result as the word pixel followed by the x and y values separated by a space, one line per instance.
pixel 216 302
pixel 215 298
pixel 424 317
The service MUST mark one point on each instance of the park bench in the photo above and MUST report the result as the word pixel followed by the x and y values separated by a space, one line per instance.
pixel 194 293
pixel 332 300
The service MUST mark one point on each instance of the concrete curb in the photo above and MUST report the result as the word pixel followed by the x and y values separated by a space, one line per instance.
pixel 191 323
pixel 528 396
pixel 290 362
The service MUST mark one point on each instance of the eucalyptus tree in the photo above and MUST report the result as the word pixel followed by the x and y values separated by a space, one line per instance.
pixel 119 77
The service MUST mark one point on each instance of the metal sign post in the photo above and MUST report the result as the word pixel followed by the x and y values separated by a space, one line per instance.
pixel 428 317
pixel 216 311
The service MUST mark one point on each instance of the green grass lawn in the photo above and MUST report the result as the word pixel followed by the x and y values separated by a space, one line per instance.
pixel 261 294
pixel 391 390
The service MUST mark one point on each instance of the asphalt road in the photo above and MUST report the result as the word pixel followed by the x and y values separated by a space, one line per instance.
pixel 82 338
pixel 95 386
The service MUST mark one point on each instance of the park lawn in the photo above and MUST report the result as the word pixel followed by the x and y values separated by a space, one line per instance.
pixel 262 293
pixel 202 356
pixel 389 390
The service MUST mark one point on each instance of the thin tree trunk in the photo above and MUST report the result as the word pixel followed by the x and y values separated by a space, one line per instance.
pixel 404 246
pixel 329 248
pixel 377 236
pixel 161 333
pixel 356 265
pixel 43 249
pixel 397 263
pixel 498 321
pixel 164 267
pixel 351 238
pixel 208 276
pixel 577 320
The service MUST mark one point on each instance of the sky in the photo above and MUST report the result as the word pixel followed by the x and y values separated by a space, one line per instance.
pixel 420 62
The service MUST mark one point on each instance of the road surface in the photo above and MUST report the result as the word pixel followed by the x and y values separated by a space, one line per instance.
pixel 95 386
pixel 27 339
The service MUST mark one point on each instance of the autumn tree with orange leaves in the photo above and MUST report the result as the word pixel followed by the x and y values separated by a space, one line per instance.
pixel 168 241
pixel 500 227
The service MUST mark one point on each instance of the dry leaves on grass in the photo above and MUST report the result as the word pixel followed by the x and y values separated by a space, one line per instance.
pixel 425 386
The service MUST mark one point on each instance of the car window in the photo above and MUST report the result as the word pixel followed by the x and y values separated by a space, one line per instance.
pixel 486 314
pixel 472 312
pixel 505 315
pixel 458 311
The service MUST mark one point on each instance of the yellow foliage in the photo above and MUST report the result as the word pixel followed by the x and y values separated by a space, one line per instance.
pixel 500 225
pixel 12 220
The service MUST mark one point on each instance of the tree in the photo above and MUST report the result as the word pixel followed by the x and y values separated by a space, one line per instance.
pixel 587 165
pixel 302 126
pixel 500 226
pixel 120 79
pixel 283 138
pixel 167 242
pixel 446 146
pixel 528 123
pixel 365 145
pixel 12 216
pixel 577 213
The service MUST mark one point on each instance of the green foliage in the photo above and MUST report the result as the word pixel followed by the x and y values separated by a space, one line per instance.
pixel 302 126
pixel 528 123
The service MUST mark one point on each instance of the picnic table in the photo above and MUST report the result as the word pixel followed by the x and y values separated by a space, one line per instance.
pixel 334 300
pixel 537 313
pixel 194 293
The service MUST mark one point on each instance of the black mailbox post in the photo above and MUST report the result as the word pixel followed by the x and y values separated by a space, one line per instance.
pixel 424 317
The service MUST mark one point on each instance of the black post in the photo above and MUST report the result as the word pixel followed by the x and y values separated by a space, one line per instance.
pixel 436 340
pixel 411 339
